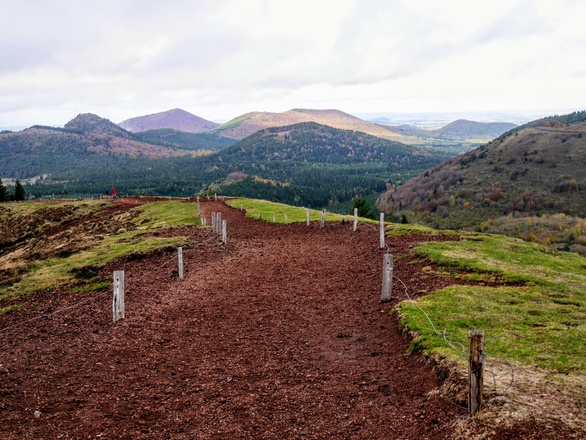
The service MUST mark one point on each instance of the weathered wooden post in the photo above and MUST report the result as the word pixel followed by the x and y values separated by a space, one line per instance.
pixel 323 219
pixel 259 216
pixel 219 223
pixel 216 197
pixel 213 221
pixel 475 371
pixel 382 230
pixel 286 220
pixel 118 298
pixel 387 290
pixel 224 233
pixel 355 219
pixel 241 209
pixel 307 216
pixel 180 261
pixel 274 218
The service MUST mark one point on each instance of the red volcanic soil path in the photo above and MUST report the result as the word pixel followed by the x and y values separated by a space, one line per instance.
pixel 279 334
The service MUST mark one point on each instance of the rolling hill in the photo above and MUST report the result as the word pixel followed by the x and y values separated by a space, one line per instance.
pixel 86 141
pixel 249 123
pixel 534 169
pixel 175 119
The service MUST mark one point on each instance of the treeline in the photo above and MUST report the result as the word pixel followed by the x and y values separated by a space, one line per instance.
pixel 17 194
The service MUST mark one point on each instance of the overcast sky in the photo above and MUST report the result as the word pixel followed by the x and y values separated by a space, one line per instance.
pixel 221 58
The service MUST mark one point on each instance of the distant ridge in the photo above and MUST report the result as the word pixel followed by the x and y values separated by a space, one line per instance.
pixel 462 129
pixel 175 119
pixel 250 123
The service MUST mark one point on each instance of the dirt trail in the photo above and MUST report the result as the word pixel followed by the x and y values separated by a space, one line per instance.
pixel 279 334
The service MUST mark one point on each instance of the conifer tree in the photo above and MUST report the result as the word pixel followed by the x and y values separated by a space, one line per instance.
pixel 19 193
pixel 3 193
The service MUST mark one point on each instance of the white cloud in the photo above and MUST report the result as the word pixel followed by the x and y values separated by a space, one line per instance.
pixel 220 58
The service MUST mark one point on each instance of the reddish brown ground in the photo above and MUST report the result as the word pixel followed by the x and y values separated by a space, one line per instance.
pixel 279 334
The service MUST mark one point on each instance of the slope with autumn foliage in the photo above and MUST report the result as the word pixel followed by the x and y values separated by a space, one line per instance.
pixel 534 169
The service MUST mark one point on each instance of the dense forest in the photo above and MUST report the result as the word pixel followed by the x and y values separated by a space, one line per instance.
pixel 304 164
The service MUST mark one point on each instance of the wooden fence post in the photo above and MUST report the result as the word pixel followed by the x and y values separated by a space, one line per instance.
pixel 387 290
pixel 118 299
pixel 286 220
pixel 224 233
pixel 180 261
pixel 216 197
pixel 213 221
pixel 219 223
pixel 382 230
pixel 323 219
pixel 307 216
pixel 475 371
pixel 274 218
pixel 355 219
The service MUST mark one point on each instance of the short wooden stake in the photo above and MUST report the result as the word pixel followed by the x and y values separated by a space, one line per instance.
pixel 224 234
pixel 259 216
pixel 286 220
pixel 215 197
pixel 118 299
pixel 204 221
pixel 475 371
pixel 387 290
pixel 382 230
pixel 323 219
pixel 180 261
pixel 241 209
pixel 213 221
pixel 274 218
pixel 355 219
pixel 307 216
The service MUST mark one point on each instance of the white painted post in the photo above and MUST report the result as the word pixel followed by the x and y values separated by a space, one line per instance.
pixel 224 234
pixel 118 298
pixel 204 221
pixel 216 197
pixel 307 216
pixel 286 220
pixel 241 209
pixel 387 289
pixel 382 230
pixel 180 262
pixel 355 219
pixel 274 218
pixel 323 219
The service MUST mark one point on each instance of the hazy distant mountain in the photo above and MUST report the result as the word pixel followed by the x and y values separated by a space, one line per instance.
pixel 461 129
pixel 534 169
pixel 249 123
pixel 88 123
pixel 175 119
pixel 464 129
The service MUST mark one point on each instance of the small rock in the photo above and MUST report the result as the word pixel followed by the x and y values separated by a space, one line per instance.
pixel 37 414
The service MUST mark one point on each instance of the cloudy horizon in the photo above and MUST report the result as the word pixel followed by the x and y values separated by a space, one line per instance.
pixel 222 58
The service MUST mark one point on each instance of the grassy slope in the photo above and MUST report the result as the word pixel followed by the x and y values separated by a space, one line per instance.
pixel 537 318
pixel 53 270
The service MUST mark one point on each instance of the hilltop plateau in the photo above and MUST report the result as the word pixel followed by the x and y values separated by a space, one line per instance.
pixel 249 123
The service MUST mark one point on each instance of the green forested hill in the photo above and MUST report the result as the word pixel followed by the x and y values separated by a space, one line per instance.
pixel 532 170
pixel 304 164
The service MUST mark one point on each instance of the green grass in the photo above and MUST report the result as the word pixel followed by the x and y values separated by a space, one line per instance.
pixel 539 319
pixel 294 214
pixel 54 272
